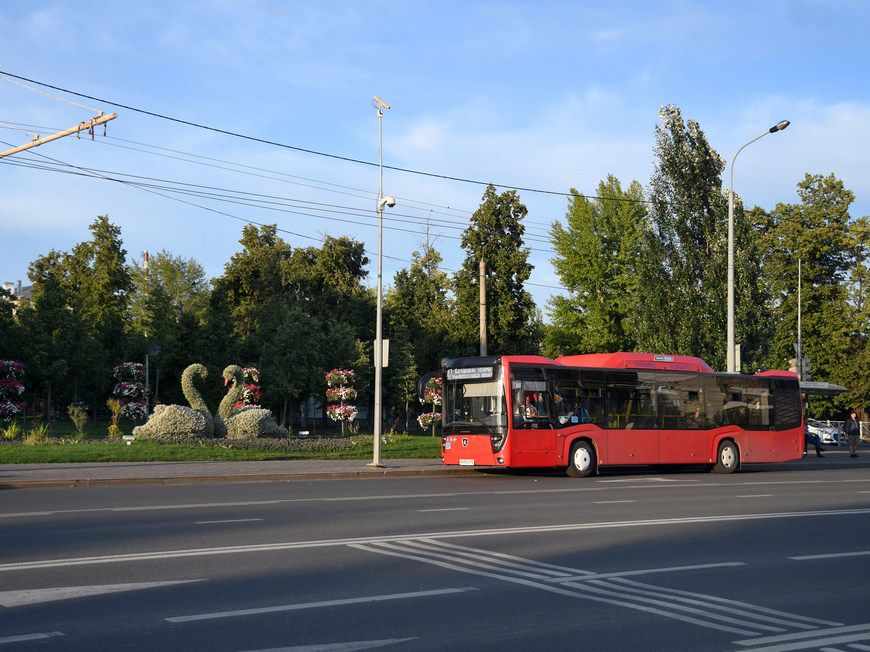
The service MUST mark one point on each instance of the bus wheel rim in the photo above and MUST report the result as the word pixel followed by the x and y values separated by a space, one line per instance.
pixel 728 456
pixel 582 459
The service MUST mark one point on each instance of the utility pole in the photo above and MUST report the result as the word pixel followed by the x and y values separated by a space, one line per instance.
pixel 87 126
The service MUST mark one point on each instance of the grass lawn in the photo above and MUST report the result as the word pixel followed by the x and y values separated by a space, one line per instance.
pixel 90 450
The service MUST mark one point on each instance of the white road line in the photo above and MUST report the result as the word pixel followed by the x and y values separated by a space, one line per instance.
pixel 612 502
pixel 456 554
pixel 862 492
pixel 349 646
pixel 805 621
pixel 560 591
pixel 231 520
pixel 661 483
pixel 748 613
pixel 644 571
pixel 29 637
pixel 448 534
pixel 428 556
pixel 455 548
pixel 649 480
pixel 634 597
pixel 858 646
pixel 755 496
pixel 36 596
pixel 808 640
pixel 632 594
pixel 445 509
pixel 832 555
pixel 316 605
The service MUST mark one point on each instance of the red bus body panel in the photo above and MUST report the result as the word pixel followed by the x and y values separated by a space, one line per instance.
pixel 547 447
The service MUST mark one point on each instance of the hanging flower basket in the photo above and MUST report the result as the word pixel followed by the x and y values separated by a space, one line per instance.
pixel 336 394
pixel 341 412
pixel 339 377
pixel 130 372
pixel 134 410
pixel 432 392
pixel 429 419
pixel 250 396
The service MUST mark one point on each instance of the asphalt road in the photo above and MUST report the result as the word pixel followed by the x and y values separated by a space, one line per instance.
pixel 773 558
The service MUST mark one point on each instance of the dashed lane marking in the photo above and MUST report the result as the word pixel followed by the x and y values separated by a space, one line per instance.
pixel 349 646
pixel 832 555
pixel 315 605
pixel 23 638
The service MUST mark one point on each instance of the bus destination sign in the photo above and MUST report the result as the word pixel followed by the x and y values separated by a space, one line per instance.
pixel 470 373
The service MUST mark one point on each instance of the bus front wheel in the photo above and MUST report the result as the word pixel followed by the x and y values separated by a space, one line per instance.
pixel 582 463
pixel 728 458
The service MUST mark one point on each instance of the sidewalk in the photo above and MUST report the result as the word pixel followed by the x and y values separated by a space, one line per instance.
pixel 112 473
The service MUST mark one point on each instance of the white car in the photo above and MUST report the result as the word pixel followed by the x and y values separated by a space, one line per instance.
pixel 827 433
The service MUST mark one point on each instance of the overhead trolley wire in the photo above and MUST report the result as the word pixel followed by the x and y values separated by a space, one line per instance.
pixel 533 228
pixel 261 201
pixel 87 173
pixel 338 157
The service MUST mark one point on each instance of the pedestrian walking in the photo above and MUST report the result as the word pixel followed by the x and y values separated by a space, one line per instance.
pixel 852 430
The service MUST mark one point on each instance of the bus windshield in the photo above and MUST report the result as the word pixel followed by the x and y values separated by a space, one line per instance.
pixel 474 404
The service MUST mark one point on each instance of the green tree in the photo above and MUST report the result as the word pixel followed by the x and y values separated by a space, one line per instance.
pixel 495 236
pixel 682 273
pixel 252 277
pixel 46 322
pixel 183 280
pixel 816 231
pixel 97 270
pixel 596 259
pixel 10 335
pixel 854 372
pixel 420 310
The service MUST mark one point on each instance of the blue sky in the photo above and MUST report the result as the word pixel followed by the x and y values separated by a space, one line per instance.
pixel 547 95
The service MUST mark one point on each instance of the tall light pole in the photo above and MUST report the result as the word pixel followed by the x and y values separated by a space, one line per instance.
pixel 779 126
pixel 380 106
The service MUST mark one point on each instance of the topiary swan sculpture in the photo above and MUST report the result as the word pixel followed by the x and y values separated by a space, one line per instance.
pixel 180 420
pixel 248 422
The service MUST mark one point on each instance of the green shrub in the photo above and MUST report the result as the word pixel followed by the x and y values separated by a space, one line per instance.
pixel 79 418
pixel 12 431
pixel 114 406
pixel 38 434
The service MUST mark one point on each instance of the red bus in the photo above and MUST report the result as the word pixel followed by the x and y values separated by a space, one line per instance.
pixel 581 412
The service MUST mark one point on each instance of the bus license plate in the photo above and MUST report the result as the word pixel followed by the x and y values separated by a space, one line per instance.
pixel 466 462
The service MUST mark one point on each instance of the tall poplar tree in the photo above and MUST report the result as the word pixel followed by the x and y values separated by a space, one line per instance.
pixel 682 278
pixel 495 235
pixel 596 259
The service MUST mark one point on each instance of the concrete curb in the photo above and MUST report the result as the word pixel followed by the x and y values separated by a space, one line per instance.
pixel 236 478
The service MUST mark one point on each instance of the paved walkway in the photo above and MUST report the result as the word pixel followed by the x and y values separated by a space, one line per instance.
pixel 106 473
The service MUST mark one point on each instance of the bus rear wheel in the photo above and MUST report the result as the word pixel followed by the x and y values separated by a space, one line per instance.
pixel 728 458
pixel 582 463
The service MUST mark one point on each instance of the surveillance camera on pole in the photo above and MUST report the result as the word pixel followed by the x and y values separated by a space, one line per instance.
pixel 388 201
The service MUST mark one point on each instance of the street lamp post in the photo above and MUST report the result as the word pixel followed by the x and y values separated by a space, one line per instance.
pixel 380 106
pixel 732 367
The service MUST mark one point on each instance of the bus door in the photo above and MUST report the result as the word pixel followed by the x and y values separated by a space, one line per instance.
pixel 759 420
pixel 632 424
pixel 682 418
pixel 532 437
